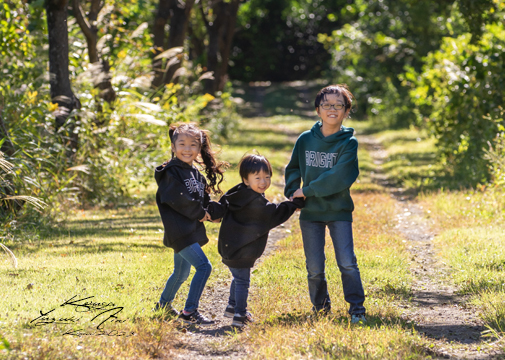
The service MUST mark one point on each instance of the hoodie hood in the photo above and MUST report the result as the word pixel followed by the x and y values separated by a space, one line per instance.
pixel 344 133
pixel 159 170
pixel 239 197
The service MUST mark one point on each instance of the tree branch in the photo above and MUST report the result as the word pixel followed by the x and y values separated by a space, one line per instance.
pixel 81 20
pixel 204 17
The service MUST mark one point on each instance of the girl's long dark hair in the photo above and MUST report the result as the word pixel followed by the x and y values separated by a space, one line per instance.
pixel 213 169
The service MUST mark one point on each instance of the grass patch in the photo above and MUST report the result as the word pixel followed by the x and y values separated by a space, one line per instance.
pixel 471 241
pixel 117 256
pixel 286 327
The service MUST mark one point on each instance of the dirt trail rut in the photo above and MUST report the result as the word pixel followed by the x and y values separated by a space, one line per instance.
pixel 437 310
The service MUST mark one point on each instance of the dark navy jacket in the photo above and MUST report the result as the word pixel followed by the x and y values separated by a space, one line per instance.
pixel 248 218
pixel 182 202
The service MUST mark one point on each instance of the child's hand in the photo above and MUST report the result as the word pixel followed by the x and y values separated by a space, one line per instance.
pixel 206 217
pixel 215 221
pixel 298 193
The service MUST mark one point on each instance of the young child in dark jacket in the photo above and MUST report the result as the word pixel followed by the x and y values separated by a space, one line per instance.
pixel 248 218
pixel 184 203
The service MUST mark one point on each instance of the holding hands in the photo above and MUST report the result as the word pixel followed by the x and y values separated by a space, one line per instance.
pixel 298 193
pixel 207 217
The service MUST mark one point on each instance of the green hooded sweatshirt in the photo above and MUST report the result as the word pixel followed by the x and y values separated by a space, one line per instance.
pixel 328 167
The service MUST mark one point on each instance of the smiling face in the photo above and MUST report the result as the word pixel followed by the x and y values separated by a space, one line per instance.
pixel 186 148
pixel 332 119
pixel 258 181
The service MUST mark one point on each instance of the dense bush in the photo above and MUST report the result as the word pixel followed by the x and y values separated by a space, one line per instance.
pixel 118 143
pixel 459 98
pixel 496 157
pixel 277 39
pixel 371 52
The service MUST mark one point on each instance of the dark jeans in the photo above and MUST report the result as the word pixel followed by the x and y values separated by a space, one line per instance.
pixel 239 290
pixel 192 255
pixel 313 233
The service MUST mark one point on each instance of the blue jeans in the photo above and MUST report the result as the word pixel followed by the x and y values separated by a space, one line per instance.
pixel 313 233
pixel 239 290
pixel 192 255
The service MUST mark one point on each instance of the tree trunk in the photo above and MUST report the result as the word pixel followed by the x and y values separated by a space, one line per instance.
pixel 61 92
pixel 221 32
pixel 90 30
pixel 226 43
pixel 178 12
pixel 178 29
pixel 162 17
pixel 197 48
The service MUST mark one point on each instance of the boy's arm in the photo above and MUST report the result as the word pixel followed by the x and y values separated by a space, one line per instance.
pixel 174 194
pixel 292 174
pixel 340 177
pixel 276 214
pixel 217 209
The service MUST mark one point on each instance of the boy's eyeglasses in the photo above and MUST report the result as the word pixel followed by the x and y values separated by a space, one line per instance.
pixel 327 106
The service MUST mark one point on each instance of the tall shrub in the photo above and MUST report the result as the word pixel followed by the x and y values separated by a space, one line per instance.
pixel 459 97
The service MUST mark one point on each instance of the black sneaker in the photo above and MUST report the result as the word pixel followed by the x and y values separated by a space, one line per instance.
pixel 195 318
pixel 167 309
pixel 241 321
pixel 229 312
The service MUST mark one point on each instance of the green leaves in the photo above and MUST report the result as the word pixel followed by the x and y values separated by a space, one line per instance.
pixel 459 98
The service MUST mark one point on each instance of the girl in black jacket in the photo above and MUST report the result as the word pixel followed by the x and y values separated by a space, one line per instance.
pixel 244 232
pixel 184 204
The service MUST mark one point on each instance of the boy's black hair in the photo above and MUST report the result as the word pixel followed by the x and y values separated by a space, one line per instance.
pixel 252 164
pixel 337 90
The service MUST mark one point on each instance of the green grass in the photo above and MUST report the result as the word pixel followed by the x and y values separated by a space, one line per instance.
pixel 469 223
pixel 279 297
pixel 471 241
pixel 117 256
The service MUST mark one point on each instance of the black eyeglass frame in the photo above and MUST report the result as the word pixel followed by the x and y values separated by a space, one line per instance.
pixel 334 106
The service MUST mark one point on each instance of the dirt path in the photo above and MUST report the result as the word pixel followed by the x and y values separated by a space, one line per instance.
pixel 438 311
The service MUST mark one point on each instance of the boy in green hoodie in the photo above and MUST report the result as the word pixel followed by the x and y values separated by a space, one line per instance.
pixel 325 158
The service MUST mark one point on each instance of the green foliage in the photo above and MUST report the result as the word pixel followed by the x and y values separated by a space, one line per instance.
pixel 4 344
pixel 118 144
pixel 496 157
pixel 371 52
pixel 477 14
pixel 459 97
pixel 277 40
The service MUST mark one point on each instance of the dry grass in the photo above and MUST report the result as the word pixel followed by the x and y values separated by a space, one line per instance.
pixel 117 256
pixel 287 328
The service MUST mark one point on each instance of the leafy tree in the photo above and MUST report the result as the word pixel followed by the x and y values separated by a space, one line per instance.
pixel 178 13
pixel 61 91
pixel 277 39
pixel 459 97
pixel 370 53
pixel 89 27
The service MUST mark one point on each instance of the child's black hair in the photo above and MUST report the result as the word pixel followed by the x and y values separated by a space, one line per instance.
pixel 252 164
pixel 213 169
pixel 337 90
